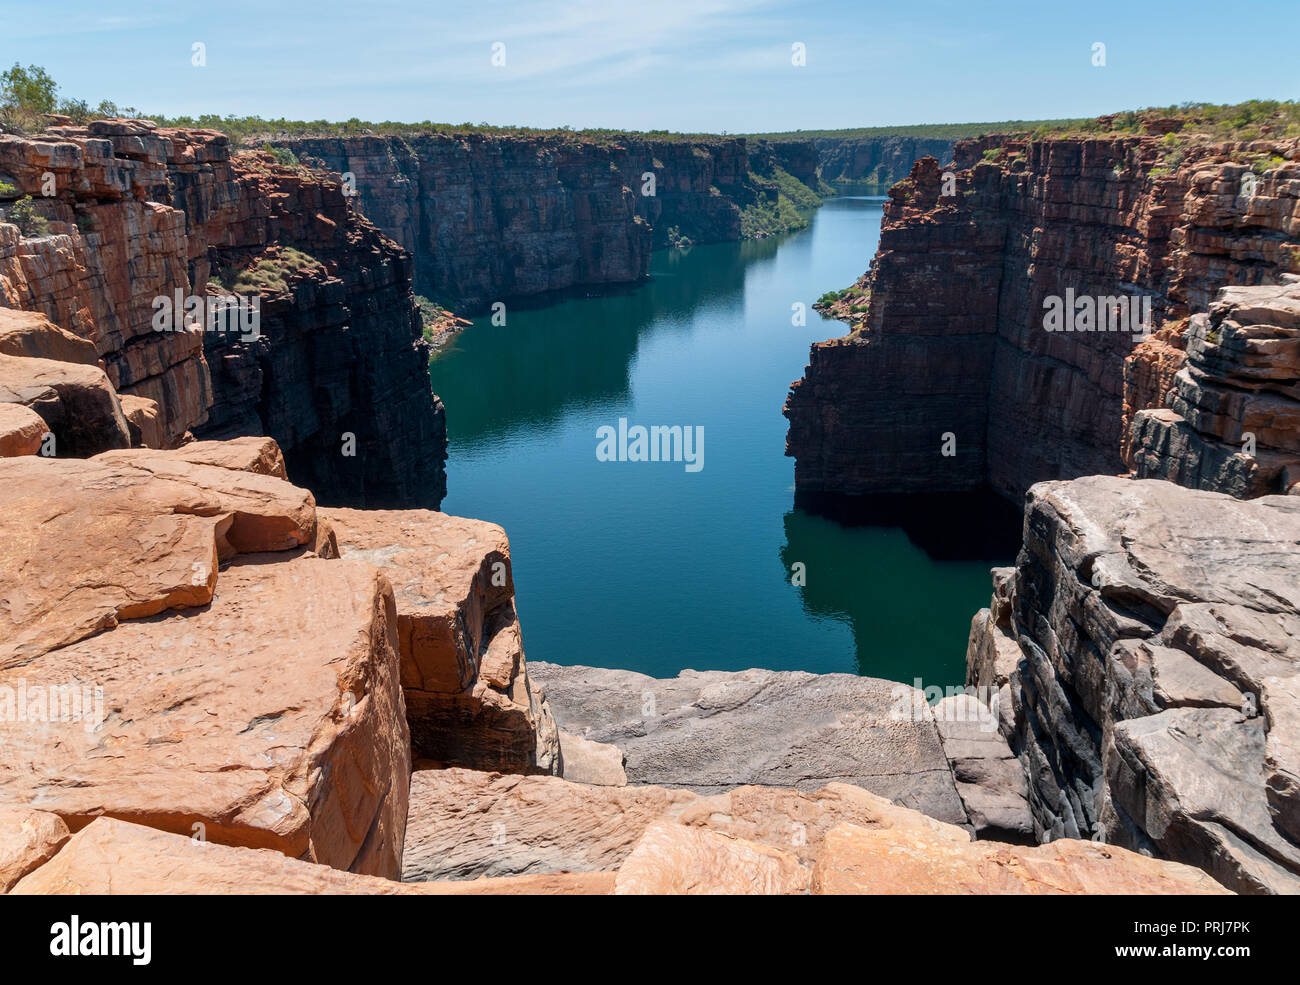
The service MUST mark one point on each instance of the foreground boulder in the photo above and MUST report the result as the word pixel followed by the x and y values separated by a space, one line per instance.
pixel 28 839
pixel 84 545
pixel 111 858
pixel 469 699
pixel 754 840
pixel 990 780
pixel 715 730
pixel 77 403
pixel 465 824
pixel 221 724
pixel 1147 649
pixel 22 431
pixel 261 456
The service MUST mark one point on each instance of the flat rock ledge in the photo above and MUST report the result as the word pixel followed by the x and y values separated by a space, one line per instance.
pixel 712 731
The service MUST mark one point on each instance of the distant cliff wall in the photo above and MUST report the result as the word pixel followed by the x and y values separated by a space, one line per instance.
pixel 492 216
pixel 954 380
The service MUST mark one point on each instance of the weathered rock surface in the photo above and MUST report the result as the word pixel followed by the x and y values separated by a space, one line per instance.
pixel 469 700
pixel 31 334
pixel 989 778
pixel 597 763
pixel 855 860
pixel 954 340
pixel 22 430
pixel 143 421
pixel 466 824
pixel 84 544
pixel 1158 631
pixel 225 726
pixel 28 839
pixel 712 731
pixel 111 857
pixel 258 455
pixel 221 723
pixel 1229 420
pixel 671 859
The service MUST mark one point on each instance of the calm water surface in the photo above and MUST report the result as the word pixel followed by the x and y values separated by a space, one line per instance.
pixel 645 566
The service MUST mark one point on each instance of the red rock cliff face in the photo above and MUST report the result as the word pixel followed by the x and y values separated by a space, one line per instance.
pixel 491 217
pixel 954 342
pixel 144 212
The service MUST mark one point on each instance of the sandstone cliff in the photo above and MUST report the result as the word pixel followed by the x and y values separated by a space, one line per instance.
pixel 491 217
pixel 954 343
pixel 139 213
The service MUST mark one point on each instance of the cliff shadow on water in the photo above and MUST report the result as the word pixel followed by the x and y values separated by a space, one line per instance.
pixel 560 351
pixel 890 566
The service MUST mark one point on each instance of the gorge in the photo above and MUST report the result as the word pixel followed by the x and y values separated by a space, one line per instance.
pixel 233 498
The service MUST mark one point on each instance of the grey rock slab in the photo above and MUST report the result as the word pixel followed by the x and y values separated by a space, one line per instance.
pixel 711 731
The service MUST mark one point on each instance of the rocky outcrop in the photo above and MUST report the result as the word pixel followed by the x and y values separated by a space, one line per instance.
pixel 877 160
pixel 956 381
pixel 22 430
pixel 1147 650
pixel 336 369
pixel 491 217
pixel 28 839
pixel 1229 413
pixel 152 666
pixel 469 700
pixel 712 731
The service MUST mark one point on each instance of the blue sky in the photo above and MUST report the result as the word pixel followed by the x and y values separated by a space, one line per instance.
pixel 699 65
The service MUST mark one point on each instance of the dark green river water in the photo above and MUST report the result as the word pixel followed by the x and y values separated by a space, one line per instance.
pixel 650 567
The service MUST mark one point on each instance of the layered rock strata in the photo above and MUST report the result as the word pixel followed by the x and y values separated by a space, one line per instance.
pixel 1228 417
pixel 955 381
pixel 492 217
pixel 1146 650
pixel 336 371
